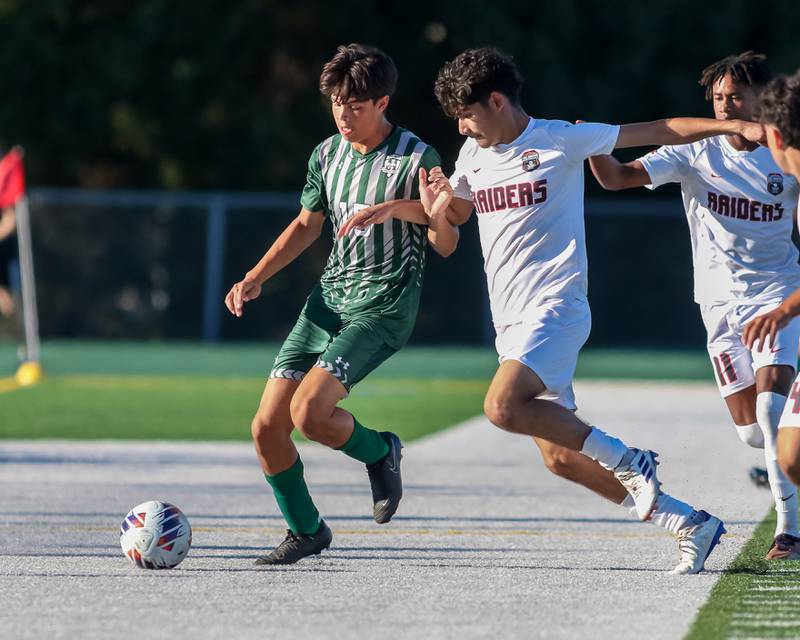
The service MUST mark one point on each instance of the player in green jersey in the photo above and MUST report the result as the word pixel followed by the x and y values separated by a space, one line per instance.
pixel 363 309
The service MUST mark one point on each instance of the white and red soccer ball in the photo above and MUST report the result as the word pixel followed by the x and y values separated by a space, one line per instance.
pixel 155 535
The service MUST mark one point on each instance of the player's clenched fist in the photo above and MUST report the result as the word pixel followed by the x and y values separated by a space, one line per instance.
pixel 754 132
pixel 435 191
pixel 243 291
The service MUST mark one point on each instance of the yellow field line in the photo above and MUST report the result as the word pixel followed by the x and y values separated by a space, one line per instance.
pixel 8 384
pixel 416 532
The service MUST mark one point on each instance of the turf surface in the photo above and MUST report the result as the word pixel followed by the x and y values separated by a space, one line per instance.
pixel 213 408
pixel 174 391
pixel 246 359
pixel 754 598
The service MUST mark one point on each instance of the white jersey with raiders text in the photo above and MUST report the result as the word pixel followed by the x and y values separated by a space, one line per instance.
pixel 528 196
pixel 740 208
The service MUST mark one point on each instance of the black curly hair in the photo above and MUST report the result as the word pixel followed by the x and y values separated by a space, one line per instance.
pixel 780 106
pixel 472 76
pixel 748 68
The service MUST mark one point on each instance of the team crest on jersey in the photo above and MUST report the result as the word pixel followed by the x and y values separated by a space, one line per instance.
pixel 392 164
pixel 775 183
pixel 530 160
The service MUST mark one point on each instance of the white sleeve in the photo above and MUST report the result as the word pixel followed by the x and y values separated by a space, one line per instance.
pixel 579 141
pixel 665 164
pixel 460 178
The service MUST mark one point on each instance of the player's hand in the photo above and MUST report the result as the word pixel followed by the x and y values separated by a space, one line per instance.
pixel 754 132
pixel 435 191
pixel 376 214
pixel 243 291
pixel 764 329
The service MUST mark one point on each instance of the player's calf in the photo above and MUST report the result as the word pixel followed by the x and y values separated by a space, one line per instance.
pixel 576 467
pixel 561 461
pixel 789 451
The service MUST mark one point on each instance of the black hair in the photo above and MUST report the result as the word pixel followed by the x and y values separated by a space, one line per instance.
pixel 780 106
pixel 748 68
pixel 472 76
pixel 358 72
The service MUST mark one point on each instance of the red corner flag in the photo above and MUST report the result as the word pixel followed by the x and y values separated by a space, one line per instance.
pixel 12 178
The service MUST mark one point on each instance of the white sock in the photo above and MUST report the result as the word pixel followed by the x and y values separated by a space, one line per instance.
pixel 630 504
pixel 606 449
pixel 671 514
pixel 751 435
pixel 769 407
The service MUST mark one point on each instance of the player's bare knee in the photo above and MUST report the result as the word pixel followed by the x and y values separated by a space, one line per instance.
pixel 260 429
pixel 265 430
pixel 500 411
pixel 309 416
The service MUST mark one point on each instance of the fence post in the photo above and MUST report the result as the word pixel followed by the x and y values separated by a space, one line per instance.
pixel 215 261
pixel 30 313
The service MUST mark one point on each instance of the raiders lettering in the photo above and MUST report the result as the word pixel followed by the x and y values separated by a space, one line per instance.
pixel 510 196
pixel 744 209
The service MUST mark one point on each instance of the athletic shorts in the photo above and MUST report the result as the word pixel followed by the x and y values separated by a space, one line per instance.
pixel 791 410
pixel 734 364
pixel 9 263
pixel 548 342
pixel 348 350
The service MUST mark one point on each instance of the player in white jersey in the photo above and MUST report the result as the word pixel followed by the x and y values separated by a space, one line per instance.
pixel 524 177
pixel 740 206
pixel 780 112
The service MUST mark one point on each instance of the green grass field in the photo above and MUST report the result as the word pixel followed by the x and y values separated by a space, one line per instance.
pixel 754 598
pixel 180 391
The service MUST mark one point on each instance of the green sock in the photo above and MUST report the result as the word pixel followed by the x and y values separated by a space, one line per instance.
pixel 365 445
pixel 294 501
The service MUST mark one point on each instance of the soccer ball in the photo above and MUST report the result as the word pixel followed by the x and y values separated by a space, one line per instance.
pixel 155 535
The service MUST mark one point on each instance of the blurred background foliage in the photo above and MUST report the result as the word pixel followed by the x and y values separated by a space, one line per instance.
pixel 212 95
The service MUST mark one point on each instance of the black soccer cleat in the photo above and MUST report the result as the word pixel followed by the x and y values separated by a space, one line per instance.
pixel 759 477
pixel 298 546
pixel 385 480
pixel 784 547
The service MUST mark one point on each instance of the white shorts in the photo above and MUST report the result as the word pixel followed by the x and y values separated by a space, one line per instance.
pixel 548 342
pixel 734 364
pixel 791 410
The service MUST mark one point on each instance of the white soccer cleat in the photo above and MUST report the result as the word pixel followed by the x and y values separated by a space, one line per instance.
pixel 637 473
pixel 696 541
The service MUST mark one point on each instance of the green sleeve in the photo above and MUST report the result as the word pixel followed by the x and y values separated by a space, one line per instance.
pixel 430 159
pixel 313 197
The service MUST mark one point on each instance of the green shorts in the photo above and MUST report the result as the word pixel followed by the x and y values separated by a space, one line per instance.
pixel 348 350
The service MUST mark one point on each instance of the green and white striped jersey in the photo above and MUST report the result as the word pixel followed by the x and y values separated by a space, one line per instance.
pixel 379 269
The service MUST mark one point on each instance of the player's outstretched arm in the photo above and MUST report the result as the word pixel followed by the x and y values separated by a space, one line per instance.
pixel 296 238
pixel 613 175
pixel 408 210
pixel 684 131
pixel 764 328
